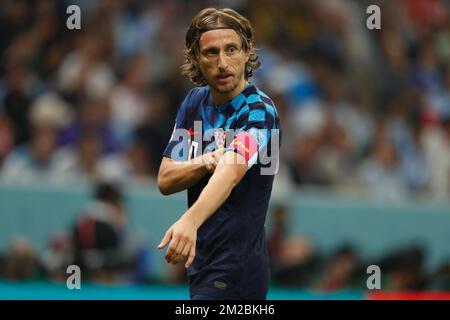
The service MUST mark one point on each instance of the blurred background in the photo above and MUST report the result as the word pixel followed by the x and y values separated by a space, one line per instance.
pixel 365 161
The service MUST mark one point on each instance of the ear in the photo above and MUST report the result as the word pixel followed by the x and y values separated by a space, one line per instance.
pixel 247 52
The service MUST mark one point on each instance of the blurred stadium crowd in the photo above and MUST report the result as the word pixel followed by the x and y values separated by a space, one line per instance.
pixel 360 109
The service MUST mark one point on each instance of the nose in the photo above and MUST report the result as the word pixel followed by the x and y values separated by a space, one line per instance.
pixel 222 62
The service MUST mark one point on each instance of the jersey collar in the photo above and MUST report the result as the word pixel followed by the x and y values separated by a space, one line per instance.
pixel 239 100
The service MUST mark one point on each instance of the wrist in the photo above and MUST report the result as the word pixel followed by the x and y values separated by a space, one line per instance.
pixel 189 215
pixel 207 163
pixel 200 163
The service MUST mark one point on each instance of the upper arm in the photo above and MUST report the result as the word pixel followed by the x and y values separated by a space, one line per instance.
pixel 165 163
pixel 254 132
pixel 232 165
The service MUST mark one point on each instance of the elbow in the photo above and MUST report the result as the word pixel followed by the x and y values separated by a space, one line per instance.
pixel 164 189
pixel 236 175
pixel 163 185
pixel 230 179
pixel 234 182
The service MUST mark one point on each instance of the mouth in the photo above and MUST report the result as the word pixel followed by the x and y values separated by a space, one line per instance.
pixel 224 78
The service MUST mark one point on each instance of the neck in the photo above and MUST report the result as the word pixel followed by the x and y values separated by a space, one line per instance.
pixel 221 98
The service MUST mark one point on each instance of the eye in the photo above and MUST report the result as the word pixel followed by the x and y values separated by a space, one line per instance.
pixel 231 50
pixel 211 52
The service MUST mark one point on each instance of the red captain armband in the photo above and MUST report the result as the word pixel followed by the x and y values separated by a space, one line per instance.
pixel 246 145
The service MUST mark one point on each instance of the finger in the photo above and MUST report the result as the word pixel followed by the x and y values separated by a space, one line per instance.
pixel 214 163
pixel 219 152
pixel 165 240
pixel 170 251
pixel 216 158
pixel 183 254
pixel 178 256
pixel 209 167
pixel 178 249
pixel 191 257
pixel 209 163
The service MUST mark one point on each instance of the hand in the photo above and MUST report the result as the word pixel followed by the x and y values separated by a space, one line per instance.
pixel 182 236
pixel 212 159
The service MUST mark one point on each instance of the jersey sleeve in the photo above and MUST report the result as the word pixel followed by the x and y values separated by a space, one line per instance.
pixel 177 147
pixel 253 133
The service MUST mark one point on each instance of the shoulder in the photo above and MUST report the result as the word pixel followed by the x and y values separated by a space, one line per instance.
pixel 195 96
pixel 191 103
pixel 258 105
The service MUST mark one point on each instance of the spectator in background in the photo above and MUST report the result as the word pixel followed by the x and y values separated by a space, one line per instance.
pixel 20 261
pixel 403 127
pixel 304 164
pixel 155 129
pixel 92 115
pixel 83 72
pixel 340 269
pixel 16 102
pixel 58 256
pixel 79 162
pixel 34 159
pixel 436 142
pixel 437 103
pixel 439 280
pixel 6 137
pixel 128 104
pixel 131 164
pixel 404 269
pixel 47 113
pixel 292 258
pixel 102 246
pixel 356 121
pixel 380 172
pixel 425 73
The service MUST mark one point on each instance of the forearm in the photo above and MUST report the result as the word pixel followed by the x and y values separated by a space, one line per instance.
pixel 180 175
pixel 214 194
pixel 182 234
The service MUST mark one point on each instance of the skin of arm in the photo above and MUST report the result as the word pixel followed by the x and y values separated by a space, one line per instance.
pixel 182 235
pixel 175 176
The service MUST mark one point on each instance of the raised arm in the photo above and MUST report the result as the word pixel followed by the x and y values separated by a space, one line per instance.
pixel 229 172
pixel 175 176
pixel 183 233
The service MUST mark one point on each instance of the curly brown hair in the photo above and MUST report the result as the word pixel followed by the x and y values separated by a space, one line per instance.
pixel 209 19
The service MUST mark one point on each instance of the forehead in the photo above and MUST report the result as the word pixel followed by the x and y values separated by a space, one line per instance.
pixel 218 37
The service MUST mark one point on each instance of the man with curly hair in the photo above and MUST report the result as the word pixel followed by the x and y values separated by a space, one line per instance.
pixel 221 236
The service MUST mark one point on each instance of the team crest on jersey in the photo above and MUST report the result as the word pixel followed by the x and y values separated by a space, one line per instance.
pixel 219 137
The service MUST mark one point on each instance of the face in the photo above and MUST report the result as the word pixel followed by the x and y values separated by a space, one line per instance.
pixel 43 143
pixel 222 61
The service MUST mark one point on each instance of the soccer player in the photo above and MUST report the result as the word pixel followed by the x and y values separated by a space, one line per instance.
pixel 221 236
